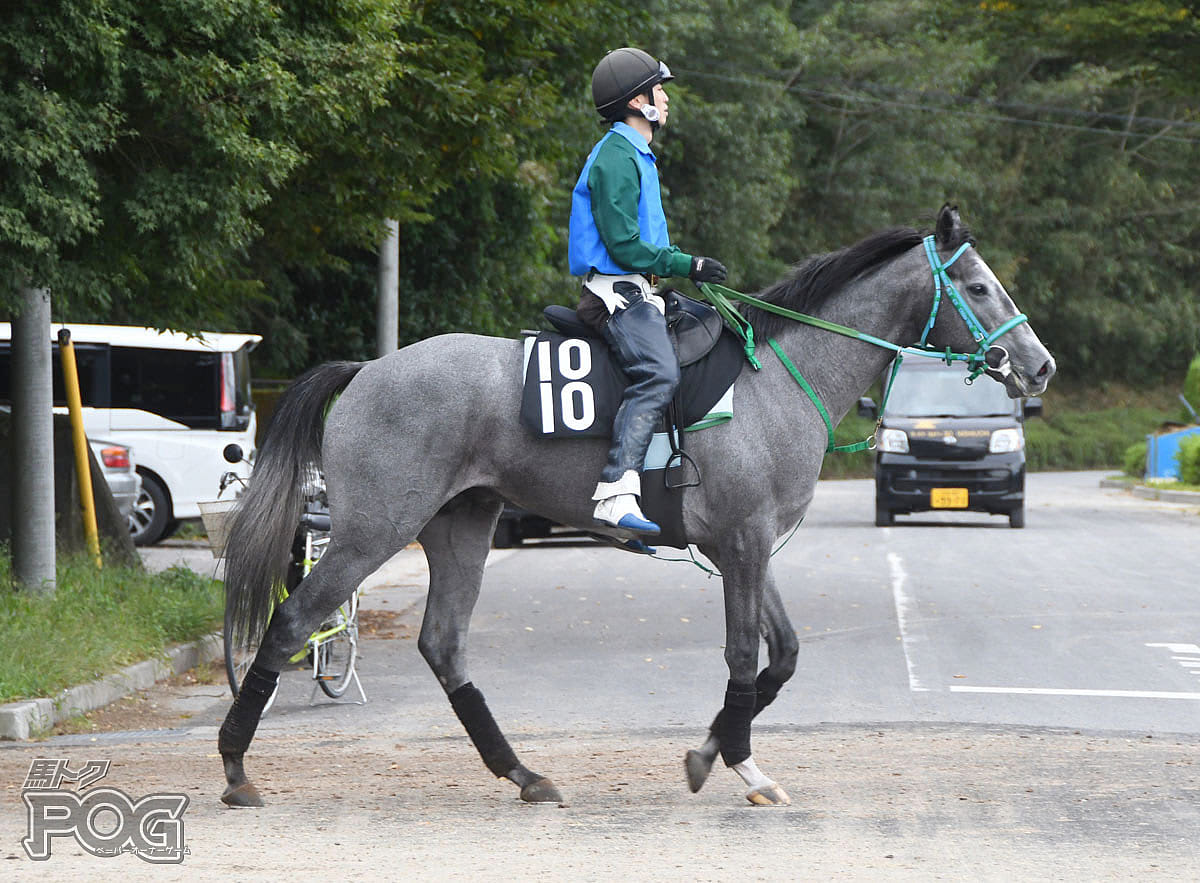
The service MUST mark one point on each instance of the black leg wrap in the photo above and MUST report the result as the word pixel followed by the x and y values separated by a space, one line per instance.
pixel 472 710
pixel 766 689
pixel 733 723
pixel 243 717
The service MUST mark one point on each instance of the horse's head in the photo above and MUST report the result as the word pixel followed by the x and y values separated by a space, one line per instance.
pixel 1015 357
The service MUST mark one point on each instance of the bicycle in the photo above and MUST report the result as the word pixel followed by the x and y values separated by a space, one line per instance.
pixel 332 650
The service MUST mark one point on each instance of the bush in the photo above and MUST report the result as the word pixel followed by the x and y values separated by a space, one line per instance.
pixel 1191 384
pixel 1189 460
pixel 1094 439
pixel 1134 462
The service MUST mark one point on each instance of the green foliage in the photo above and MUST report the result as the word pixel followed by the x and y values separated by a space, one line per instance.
pixel 1147 42
pixel 727 151
pixel 1191 384
pixel 167 126
pixel 1134 462
pixel 1188 457
pixel 230 164
pixel 96 622
pixel 58 90
pixel 1090 439
pixel 1098 202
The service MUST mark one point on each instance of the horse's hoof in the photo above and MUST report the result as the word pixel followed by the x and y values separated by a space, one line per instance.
pixel 698 765
pixel 769 795
pixel 541 791
pixel 244 794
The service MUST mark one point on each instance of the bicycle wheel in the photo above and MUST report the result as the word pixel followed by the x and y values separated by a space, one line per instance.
pixel 237 661
pixel 336 654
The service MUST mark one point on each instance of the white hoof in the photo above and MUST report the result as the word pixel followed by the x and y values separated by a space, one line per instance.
pixel 769 795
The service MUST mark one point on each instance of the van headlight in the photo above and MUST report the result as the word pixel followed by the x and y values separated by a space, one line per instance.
pixel 892 441
pixel 1005 441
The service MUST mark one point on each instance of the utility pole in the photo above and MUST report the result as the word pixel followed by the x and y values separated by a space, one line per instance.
pixel 33 445
pixel 387 308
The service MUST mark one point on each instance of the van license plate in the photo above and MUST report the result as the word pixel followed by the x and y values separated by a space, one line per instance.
pixel 948 498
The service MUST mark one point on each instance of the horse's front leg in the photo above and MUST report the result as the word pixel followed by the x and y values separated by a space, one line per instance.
pixel 729 734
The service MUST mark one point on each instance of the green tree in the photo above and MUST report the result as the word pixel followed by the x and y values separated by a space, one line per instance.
pixel 1101 180
pixel 726 155
pixel 164 128
pixel 455 105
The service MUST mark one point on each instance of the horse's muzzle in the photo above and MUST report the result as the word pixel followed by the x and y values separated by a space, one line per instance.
pixel 1000 367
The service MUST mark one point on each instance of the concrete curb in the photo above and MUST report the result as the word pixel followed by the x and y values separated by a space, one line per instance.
pixel 32 717
pixel 1165 495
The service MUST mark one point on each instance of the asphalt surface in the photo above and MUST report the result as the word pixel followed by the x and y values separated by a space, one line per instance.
pixel 971 700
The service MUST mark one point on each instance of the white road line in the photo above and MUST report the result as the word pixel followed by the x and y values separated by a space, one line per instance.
pixel 1178 648
pixel 903 603
pixel 1048 691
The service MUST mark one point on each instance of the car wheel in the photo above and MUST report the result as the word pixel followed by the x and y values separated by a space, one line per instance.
pixel 151 513
pixel 884 517
pixel 1016 518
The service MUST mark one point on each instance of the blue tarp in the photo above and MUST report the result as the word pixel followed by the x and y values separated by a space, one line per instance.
pixel 1161 451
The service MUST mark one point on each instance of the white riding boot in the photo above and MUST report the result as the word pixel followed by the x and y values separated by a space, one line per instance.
pixel 618 504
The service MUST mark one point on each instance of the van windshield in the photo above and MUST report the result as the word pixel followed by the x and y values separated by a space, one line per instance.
pixel 941 392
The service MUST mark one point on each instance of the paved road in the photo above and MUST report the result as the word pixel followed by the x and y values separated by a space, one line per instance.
pixel 971 700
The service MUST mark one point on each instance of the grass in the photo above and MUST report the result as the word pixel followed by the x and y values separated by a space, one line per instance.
pixel 95 623
pixel 1165 485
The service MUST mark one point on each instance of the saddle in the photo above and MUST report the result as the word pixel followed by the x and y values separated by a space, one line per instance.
pixel 694 327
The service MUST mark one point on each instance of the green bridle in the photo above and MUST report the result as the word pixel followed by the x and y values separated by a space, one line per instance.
pixel 720 296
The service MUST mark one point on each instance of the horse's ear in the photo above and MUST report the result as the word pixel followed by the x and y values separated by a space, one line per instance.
pixel 949 225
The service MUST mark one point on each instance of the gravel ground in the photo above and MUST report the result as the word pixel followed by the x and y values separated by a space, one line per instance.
pixel 908 802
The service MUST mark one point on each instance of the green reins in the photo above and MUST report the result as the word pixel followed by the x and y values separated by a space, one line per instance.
pixel 720 296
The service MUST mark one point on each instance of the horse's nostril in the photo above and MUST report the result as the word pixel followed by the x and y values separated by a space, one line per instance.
pixel 1045 369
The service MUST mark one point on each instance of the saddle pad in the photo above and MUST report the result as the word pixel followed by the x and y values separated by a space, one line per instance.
pixel 573 386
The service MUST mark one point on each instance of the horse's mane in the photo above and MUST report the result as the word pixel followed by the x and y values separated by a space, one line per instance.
pixel 813 280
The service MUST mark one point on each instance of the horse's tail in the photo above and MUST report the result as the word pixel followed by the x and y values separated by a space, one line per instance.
pixel 265 520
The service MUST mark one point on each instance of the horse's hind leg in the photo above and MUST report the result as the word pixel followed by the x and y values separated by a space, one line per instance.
pixel 331 582
pixel 456 542
pixel 782 651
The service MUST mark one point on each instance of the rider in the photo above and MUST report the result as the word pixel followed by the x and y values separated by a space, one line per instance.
pixel 619 244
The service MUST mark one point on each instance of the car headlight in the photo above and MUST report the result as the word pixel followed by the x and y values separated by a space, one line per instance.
pixel 1004 441
pixel 892 441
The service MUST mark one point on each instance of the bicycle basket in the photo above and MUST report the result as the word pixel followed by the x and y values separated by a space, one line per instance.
pixel 217 516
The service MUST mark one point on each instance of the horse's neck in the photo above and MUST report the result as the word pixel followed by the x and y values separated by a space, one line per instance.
pixel 891 304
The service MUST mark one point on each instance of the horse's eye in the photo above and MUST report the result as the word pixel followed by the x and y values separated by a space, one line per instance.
pixel 978 289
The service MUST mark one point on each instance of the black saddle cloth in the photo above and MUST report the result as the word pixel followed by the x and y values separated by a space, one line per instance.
pixel 573 386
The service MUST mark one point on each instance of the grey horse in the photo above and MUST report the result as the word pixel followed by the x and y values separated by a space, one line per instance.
pixel 425 445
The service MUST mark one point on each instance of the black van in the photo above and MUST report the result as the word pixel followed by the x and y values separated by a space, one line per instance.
pixel 944 444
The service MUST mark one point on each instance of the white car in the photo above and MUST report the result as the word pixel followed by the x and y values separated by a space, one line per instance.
pixel 175 400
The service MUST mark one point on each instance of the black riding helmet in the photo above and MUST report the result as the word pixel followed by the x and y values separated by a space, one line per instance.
pixel 623 74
